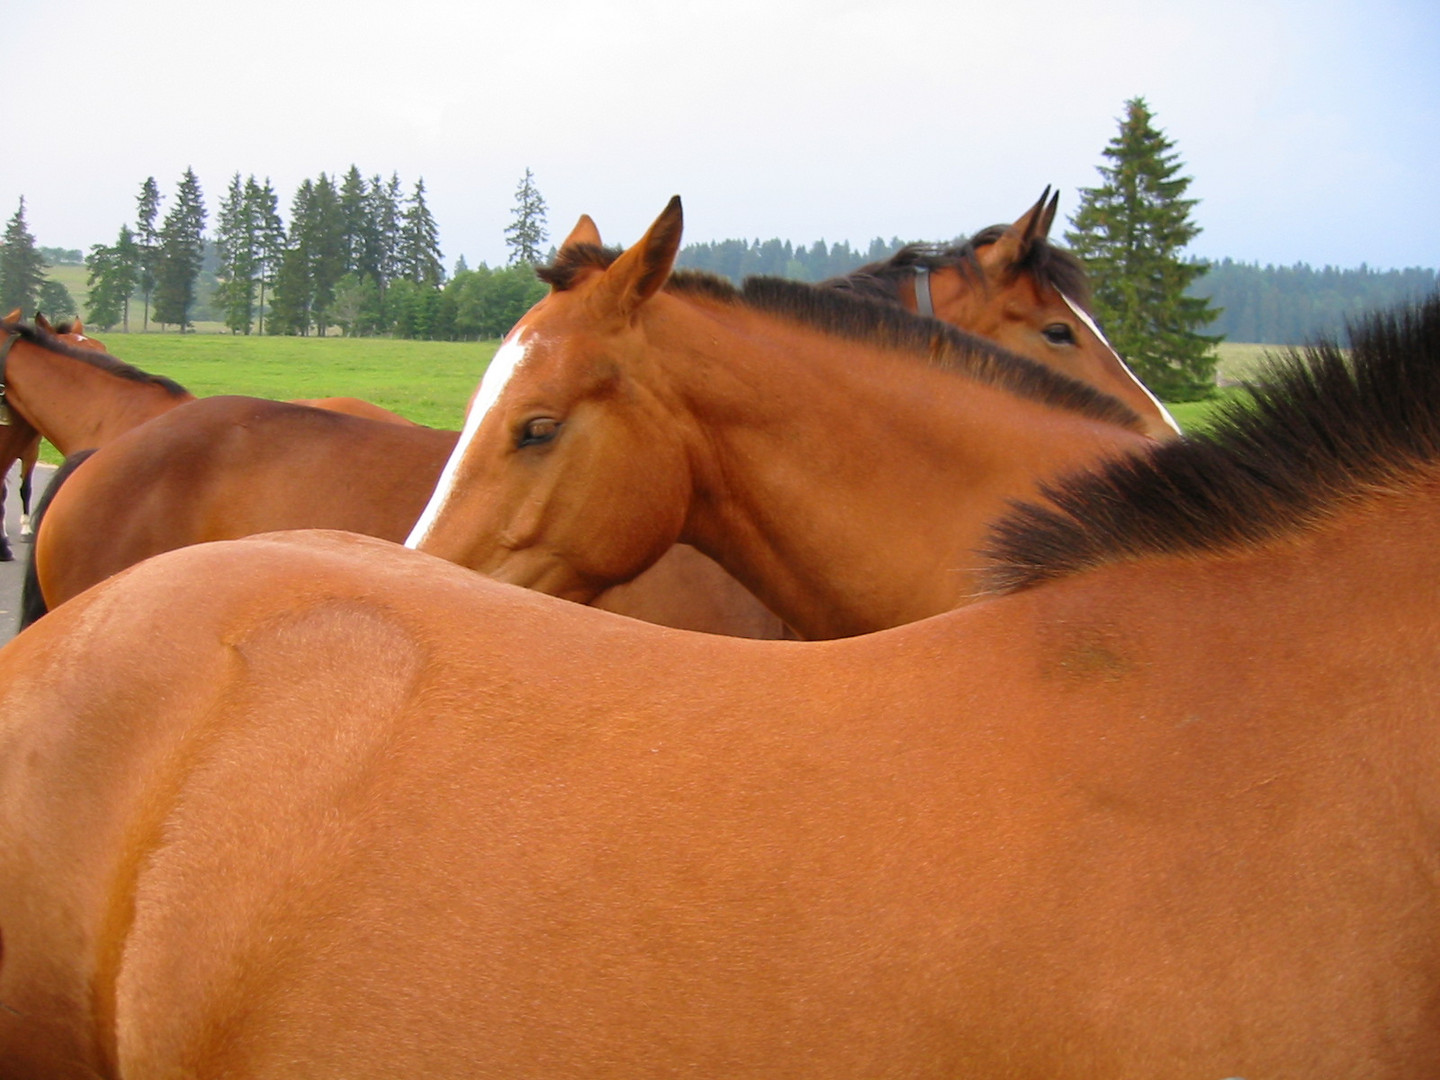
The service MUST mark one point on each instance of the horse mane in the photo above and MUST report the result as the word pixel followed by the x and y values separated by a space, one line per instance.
pixel 852 315
pixel 1321 431
pixel 1050 265
pixel 103 360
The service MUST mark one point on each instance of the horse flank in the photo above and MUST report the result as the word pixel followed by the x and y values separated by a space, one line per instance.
pixel 1320 432
pixel 857 317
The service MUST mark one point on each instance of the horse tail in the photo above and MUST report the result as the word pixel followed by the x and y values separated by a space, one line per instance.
pixel 32 601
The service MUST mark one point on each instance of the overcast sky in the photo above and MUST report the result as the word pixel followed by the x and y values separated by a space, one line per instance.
pixel 1311 128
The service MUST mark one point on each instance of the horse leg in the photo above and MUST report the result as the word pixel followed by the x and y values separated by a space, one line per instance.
pixel 27 475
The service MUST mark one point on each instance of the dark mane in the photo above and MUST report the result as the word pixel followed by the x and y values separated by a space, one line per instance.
pixel 884 323
pixel 859 318
pixel 1048 264
pixel 95 358
pixel 1323 430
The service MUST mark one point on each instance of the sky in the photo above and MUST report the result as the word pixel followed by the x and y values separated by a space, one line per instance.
pixel 1310 128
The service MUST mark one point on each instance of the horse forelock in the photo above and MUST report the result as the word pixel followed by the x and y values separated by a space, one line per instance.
pixel 1322 430
pixel 105 362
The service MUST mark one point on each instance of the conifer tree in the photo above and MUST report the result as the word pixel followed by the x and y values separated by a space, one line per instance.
pixel 324 249
pixel 290 304
pixel 420 258
pixel 526 234
pixel 182 251
pixel 237 247
pixel 1130 232
pixel 147 241
pixel 22 268
pixel 270 239
pixel 355 216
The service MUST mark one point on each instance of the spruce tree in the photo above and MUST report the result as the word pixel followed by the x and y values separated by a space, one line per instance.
pixel 526 232
pixel 237 246
pixel 182 251
pixel 270 239
pixel 324 249
pixel 420 258
pixel 22 268
pixel 290 302
pixel 147 241
pixel 1130 232
pixel 354 212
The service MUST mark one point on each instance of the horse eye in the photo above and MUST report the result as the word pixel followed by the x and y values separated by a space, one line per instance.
pixel 1059 334
pixel 540 430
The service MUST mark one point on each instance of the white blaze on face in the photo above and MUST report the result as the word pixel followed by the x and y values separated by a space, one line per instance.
pixel 503 365
pixel 1090 325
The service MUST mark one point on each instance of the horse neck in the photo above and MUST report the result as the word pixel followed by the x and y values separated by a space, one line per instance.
pixel 77 405
pixel 846 485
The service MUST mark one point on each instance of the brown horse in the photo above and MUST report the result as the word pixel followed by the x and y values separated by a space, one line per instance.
pixel 840 458
pixel 313 805
pixel 91 532
pixel 19 440
pixel 1008 284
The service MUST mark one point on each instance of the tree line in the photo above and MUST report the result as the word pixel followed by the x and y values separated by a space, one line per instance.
pixel 358 255
pixel 1295 305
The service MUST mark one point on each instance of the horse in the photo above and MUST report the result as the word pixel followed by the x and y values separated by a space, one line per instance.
pixel 19 441
pixel 839 457
pixel 65 385
pixel 1165 802
pixel 1008 284
pixel 685 589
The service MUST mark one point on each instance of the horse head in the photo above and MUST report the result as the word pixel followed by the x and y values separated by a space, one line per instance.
pixel 562 406
pixel 1022 292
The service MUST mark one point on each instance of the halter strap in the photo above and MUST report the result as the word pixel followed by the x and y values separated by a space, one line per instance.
pixel 10 336
pixel 923 304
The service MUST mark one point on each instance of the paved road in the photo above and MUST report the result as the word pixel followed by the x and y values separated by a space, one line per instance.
pixel 13 573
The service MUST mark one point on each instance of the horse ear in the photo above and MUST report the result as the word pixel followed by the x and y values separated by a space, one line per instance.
pixel 584 232
pixel 1015 242
pixel 76 326
pixel 638 274
pixel 14 316
pixel 43 323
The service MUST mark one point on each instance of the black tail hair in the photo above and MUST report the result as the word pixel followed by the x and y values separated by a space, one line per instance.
pixel 32 602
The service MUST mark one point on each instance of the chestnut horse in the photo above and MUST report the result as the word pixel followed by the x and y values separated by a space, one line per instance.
pixel 840 458
pixel 91 531
pixel 309 804
pixel 19 440
pixel 1008 284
